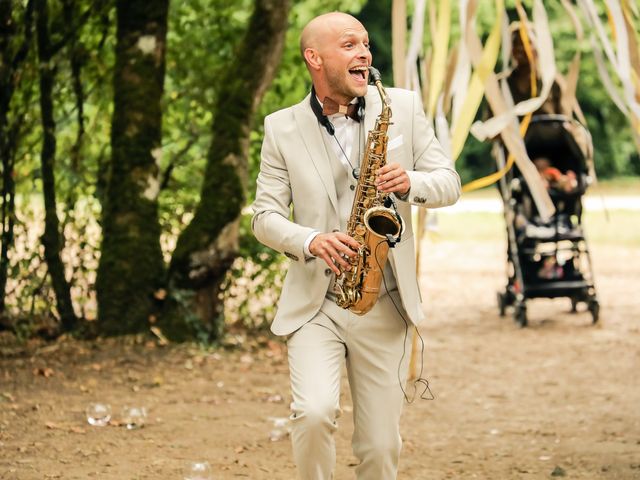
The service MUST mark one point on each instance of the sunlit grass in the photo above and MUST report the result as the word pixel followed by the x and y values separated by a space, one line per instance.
pixel 617 227
pixel 621 186
pixel 607 227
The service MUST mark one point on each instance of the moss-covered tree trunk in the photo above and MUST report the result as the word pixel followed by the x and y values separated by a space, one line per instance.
pixel 52 238
pixel 209 244
pixel 131 266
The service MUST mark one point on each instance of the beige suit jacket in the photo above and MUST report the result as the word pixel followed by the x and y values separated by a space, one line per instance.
pixel 296 196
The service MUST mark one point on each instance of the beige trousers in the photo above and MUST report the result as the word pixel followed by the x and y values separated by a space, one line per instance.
pixel 376 348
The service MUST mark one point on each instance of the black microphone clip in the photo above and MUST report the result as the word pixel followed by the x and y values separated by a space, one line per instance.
pixel 391 240
pixel 389 203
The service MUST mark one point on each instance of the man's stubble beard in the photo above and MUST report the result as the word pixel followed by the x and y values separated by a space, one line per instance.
pixel 338 83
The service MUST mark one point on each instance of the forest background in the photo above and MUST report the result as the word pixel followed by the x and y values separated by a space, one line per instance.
pixel 130 134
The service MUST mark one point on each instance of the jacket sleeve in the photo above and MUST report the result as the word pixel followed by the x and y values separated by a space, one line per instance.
pixel 434 180
pixel 271 222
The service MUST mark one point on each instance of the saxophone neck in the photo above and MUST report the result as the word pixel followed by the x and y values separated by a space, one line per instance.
pixel 385 115
pixel 386 101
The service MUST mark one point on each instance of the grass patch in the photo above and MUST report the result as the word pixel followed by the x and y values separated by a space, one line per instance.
pixel 471 226
pixel 621 186
pixel 621 227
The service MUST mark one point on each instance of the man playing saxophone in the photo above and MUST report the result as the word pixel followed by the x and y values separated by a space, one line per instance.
pixel 311 160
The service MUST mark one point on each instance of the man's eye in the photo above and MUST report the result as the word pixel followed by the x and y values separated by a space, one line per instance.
pixel 348 45
pixel 367 46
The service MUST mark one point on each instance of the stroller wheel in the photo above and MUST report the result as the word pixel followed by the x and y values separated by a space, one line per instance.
pixel 502 303
pixel 574 304
pixel 594 308
pixel 520 315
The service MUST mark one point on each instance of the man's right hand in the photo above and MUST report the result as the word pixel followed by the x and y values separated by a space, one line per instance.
pixel 332 247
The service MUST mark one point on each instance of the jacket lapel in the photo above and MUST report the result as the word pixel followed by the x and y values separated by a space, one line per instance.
pixel 373 108
pixel 316 152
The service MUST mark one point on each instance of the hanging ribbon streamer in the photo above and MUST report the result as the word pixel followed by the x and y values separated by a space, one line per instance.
pixel 412 77
pixel 621 59
pixel 510 115
pixel 484 67
pixel 512 138
pixel 439 62
pixel 462 73
pixel 545 63
pixel 398 35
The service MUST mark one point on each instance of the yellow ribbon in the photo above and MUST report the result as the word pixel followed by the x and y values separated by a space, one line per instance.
pixel 439 62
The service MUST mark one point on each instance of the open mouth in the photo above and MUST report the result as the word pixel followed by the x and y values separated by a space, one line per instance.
pixel 359 73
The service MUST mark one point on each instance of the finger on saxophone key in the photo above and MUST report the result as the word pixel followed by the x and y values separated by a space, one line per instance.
pixel 349 243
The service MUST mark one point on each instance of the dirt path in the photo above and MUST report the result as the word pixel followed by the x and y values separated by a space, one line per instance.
pixel 560 398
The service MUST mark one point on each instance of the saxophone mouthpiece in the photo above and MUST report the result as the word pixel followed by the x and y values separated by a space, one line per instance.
pixel 376 79
pixel 374 74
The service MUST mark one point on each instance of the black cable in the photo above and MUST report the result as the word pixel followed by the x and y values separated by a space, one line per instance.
pixel 420 379
pixel 355 171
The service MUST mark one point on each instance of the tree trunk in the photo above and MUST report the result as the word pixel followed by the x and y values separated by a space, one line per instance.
pixel 52 238
pixel 11 59
pixel 131 266
pixel 209 244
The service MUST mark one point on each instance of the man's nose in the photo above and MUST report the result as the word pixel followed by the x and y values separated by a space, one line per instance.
pixel 364 52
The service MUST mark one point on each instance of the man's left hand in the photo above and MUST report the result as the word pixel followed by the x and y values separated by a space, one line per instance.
pixel 393 178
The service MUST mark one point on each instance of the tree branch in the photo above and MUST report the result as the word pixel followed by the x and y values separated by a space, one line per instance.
pixel 166 175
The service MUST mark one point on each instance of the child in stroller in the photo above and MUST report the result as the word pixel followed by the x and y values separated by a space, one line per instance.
pixel 548 259
pixel 554 178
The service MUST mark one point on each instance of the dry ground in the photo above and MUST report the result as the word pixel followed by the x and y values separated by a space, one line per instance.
pixel 559 398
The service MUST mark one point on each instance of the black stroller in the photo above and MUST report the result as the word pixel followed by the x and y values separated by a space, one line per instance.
pixel 548 259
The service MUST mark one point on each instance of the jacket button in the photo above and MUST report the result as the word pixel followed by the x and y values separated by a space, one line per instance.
pixel 352 187
pixel 328 272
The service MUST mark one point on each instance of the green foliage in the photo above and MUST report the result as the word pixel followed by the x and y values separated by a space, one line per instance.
pixel 253 283
pixel 77 163
pixel 202 38
pixel 476 160
pixel 376 16
pixel 252 290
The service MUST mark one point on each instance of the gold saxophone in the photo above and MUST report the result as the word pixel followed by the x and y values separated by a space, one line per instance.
pixel 372 223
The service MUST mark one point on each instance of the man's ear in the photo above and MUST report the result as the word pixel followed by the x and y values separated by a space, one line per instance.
pixel 312 58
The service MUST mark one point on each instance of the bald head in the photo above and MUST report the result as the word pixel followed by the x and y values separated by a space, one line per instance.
pixel 324 25
pixel 335 48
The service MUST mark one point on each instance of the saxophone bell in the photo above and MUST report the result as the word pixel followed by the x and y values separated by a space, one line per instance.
pixel 382 221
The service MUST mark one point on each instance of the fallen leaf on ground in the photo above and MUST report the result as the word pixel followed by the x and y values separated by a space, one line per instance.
pixel 44 371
